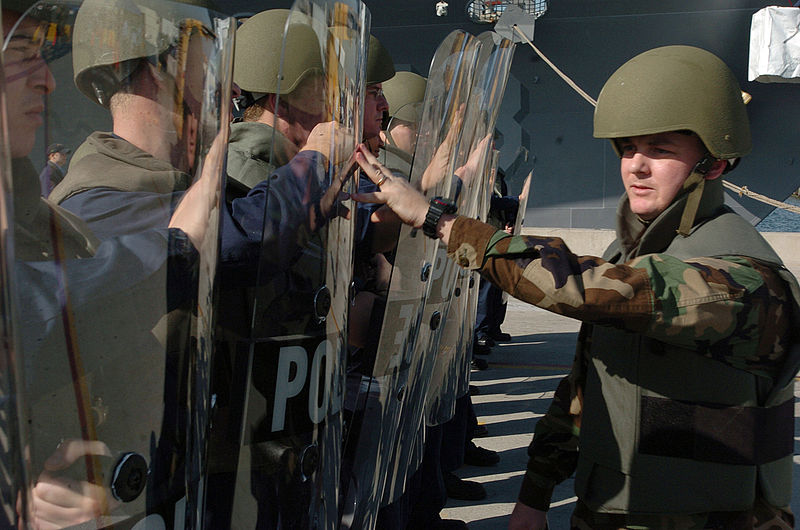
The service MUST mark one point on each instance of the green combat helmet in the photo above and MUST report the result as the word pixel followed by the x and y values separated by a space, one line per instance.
pixel 106 48
pixel 257 58
pixel 677 88
pixel 403 92
pixel 380 67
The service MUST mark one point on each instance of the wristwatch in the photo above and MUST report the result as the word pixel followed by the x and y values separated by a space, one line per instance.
pixel 439 206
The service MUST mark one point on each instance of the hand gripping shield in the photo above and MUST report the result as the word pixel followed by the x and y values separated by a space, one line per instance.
pixel 494 64
pixel 281 432
pixel 388 383
pixel 116 269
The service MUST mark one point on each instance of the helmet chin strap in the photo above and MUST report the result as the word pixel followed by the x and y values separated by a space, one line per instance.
pixel 694 184
pixel 387 130
pixel 389 139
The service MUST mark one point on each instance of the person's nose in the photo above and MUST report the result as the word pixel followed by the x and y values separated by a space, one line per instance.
pixel 383 104
pixel 638 164
pixel 41 78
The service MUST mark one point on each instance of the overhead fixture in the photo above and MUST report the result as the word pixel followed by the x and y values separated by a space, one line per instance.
pixel 441 8
pixel 489 11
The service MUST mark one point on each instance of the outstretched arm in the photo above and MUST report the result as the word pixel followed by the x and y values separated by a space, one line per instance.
pixel 402 198
pixel 720 301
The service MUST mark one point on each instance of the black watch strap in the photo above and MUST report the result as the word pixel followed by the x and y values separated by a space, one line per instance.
pixel 438 207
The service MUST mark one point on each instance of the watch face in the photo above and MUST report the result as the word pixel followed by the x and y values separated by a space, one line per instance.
pixel 446 205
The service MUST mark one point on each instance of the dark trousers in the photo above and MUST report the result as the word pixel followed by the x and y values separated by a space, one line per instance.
pixel 424 497
pixel 456 433
pixel 491 309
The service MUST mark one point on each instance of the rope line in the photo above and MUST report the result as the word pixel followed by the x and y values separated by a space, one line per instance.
pixel 561 74
pixel 737 189
pixel 742 190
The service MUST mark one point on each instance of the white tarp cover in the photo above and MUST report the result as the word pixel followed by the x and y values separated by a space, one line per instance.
pixel 775 45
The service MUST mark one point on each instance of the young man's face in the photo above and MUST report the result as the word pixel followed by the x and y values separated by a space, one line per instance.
pixel 374 105
pixel 28 80
pixel 654 167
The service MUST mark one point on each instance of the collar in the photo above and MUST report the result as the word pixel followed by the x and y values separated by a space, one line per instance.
pixel 262 141
pixel 637 237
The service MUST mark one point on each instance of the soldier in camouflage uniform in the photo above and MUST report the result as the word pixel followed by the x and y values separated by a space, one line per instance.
pixel 680 397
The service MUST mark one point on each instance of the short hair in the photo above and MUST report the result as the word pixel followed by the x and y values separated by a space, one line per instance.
pixel 257 109
pixel 125 89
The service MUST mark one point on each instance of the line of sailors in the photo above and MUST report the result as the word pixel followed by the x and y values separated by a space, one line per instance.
pixel 199 328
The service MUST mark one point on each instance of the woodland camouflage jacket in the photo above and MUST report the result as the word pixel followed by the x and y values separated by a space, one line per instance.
pixel 737 307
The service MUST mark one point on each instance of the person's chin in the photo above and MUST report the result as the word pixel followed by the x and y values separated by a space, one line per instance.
pixel 642 209
pixel 21 148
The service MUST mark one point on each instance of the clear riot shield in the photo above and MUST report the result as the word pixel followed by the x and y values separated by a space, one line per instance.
pixel 114 273
pixel 390 380
pixel 463 364
pixel 485 199
pixel 279 466
pixel 519 222
pixel 468 286
pixel 12 469
pixel 467 159
pixel 474 160
pixel 524 195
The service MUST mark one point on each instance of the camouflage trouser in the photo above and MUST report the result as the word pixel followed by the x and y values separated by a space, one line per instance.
pixel 761 517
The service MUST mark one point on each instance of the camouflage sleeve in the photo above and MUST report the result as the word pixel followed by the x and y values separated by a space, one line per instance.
pixel 732 308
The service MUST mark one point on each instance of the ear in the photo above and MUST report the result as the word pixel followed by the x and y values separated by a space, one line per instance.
pixel 716 169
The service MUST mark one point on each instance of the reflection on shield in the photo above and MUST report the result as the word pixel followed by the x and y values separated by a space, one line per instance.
pixel 12 470
pixel 113 309
pixel 467 337
pixel 434 378
pixel 524 196
pixel 519 221
pixel 452 351
pixel 394 377
pixel 277 461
